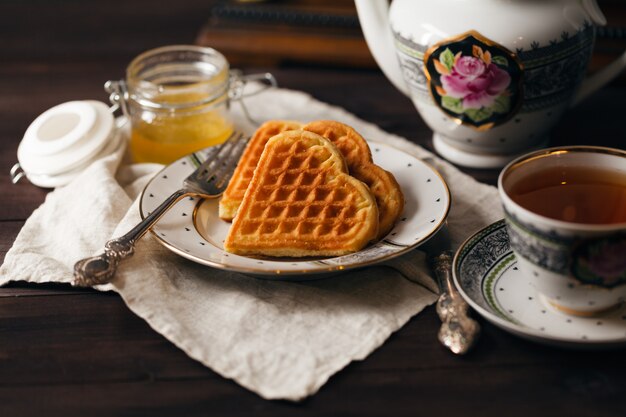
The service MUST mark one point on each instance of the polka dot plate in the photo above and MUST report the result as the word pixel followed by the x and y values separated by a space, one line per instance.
pixel 485 272
pixel 193 229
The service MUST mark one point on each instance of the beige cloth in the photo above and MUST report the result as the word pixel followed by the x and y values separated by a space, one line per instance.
pixel 282 340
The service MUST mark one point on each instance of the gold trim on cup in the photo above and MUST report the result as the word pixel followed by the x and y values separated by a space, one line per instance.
pixel 544 153
pixel 583 313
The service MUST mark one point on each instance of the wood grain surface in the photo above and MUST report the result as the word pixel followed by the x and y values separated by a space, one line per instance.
pixel 75 352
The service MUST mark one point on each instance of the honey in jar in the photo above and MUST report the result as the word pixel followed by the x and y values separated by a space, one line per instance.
pixel 177 102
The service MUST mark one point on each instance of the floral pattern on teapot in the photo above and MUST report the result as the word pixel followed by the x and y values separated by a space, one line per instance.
pixel 474 80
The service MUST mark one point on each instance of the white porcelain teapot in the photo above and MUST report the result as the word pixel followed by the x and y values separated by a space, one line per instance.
pixel 489 77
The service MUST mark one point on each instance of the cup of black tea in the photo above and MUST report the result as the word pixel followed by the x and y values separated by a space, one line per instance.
pixel 565 212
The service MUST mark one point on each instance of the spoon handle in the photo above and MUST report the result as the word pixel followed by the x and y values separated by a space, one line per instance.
pixel 458 330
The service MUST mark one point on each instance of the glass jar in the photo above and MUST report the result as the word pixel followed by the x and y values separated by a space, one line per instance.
pixel 177 99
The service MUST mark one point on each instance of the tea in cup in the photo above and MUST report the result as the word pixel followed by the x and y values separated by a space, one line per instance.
pixel 565 212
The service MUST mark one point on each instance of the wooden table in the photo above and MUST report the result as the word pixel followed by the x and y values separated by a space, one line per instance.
pixel 66 351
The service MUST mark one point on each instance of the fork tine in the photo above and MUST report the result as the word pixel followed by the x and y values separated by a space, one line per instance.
pixel 226 169
pixel 214 154
pixel 212 176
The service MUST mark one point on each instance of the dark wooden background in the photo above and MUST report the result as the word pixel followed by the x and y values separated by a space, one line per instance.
pixel 65 351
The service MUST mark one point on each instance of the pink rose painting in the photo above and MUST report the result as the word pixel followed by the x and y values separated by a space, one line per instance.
pixel 601 261
pixel 475 82
pixel 477 88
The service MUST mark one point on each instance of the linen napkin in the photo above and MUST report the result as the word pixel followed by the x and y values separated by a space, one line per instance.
pixel 282 340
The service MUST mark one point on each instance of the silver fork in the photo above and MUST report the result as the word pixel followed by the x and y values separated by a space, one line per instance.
pixel 209 180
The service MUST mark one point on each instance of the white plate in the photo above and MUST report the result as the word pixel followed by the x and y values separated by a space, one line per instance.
pixel 486 274
pixel 193 229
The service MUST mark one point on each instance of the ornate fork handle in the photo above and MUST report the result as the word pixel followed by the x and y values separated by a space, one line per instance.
pixel 458 331
pixel 100 269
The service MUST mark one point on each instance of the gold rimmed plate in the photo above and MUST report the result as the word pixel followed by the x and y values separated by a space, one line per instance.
pixel 192 228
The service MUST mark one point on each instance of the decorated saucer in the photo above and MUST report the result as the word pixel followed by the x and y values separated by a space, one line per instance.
pixel 192 228
pixel 485 272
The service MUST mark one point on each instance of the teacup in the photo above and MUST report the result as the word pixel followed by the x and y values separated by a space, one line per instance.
pixel 565 211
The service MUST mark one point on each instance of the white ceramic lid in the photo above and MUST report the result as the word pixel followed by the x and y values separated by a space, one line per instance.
pixel 52 181
pixel 65 138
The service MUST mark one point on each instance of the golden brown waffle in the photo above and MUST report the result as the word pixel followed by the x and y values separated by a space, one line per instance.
pixel 302 202
pixel 355 150
pixel 231 199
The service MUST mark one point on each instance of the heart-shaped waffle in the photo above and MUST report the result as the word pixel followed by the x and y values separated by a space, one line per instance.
pixel 302 202
pixel 233 195
pixel 355 150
